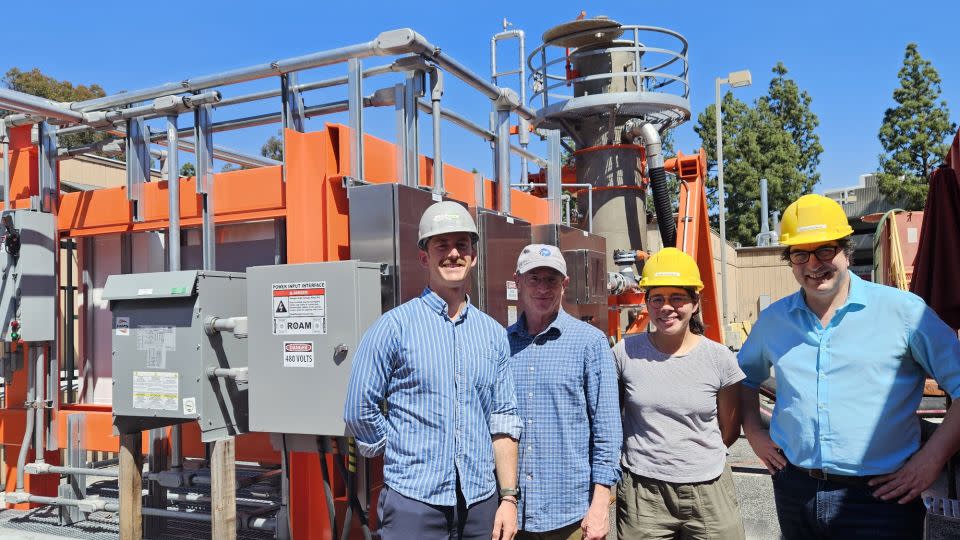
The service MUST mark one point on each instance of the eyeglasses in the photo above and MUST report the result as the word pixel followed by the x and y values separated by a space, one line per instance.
pixel 823 254
pixel 550 281
pixel 676 300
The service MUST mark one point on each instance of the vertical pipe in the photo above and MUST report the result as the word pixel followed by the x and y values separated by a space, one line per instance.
pixel 400 101
pixel 590 209
pixel 436 94
pixel 478 191
pixel 69 318
pixel 722 203
pixel 764 210
pixel 412 124
pixel 524 125
pixel 5 142
pixel 503 159
pixel 355 104
pixel 28 429
pixel 40 411
pixel 554 175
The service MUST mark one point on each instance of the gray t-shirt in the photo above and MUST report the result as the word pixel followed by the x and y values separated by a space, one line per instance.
pixel 669 408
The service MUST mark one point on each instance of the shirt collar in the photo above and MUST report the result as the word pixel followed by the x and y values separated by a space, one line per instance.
pixel 559 323
pixel 439 305
pixel 857 296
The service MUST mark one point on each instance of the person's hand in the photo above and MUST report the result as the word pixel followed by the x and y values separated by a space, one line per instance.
pixel 909 481
pixel 596 524
pixel 505 522
pixel 767 450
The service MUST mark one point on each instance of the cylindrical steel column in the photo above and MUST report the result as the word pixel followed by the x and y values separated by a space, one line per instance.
pixel 503 160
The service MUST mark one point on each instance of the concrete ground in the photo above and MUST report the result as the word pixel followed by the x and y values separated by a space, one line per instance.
pixel 754 492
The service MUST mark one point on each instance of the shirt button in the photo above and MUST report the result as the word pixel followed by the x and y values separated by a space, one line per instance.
pixel 529 422
pixel 529 448
pixel 531 368
pixel 823 376
pixel 529 477
pixel 529 394
pixel 822 406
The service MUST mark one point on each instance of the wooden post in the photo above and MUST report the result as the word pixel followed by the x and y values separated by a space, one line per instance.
pixel 223 491
pixel 131 486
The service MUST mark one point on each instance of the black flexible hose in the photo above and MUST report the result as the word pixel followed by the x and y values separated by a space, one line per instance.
pixel 661 201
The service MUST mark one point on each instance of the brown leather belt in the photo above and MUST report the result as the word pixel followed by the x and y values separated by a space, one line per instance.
pixel 820 474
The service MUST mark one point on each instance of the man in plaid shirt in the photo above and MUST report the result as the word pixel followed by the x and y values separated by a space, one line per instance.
pixel 566 388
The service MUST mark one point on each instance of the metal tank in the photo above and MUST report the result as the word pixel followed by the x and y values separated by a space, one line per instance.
pixel 603 84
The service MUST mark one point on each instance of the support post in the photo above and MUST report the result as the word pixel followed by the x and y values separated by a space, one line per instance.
pixel 436 94
pixel 223 495
pixel 554 175
pixel 355 99
pixel 503 160
pixel 414 88
pixel 204 138
pixel 399 93
pixel 131 486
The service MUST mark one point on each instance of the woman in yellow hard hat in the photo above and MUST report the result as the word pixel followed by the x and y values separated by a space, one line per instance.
pixel 679 402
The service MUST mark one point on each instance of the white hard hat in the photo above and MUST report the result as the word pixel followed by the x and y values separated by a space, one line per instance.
pixel 446 217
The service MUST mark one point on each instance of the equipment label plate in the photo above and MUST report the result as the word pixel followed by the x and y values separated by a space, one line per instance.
pixel 298 354
pixel 158 390
pixel 155 341
pixel 299 308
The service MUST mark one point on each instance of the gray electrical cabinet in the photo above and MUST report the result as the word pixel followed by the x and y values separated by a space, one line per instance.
pixel 163 358
pixel 492 286
pixel 305 323
pixel 28 288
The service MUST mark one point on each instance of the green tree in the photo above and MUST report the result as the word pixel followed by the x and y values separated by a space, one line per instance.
pixel 187 169
pixel 273 148
pixel 775 139
pixel 915 133
pixel 36 83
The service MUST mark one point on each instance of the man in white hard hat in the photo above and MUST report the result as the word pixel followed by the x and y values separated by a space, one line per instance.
pixel 439 367
pixel 567 397
pixel 850 358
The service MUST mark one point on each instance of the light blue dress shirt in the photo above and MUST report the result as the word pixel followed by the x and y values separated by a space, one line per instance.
pixel 567 398
pixel 847 394
pixel 446 388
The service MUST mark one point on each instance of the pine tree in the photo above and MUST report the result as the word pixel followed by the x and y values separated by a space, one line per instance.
pixel 914 134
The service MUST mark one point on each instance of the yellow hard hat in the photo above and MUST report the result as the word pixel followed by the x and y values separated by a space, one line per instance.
pixel 813 219
pixel 671 267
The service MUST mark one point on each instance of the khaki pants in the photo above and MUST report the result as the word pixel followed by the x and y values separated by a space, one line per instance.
pixel 648 508
pixel 570 532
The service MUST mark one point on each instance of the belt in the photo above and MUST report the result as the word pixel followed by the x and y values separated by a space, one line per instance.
pixel 820 474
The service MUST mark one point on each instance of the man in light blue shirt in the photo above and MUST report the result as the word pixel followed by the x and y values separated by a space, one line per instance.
pixel 438 365
pixel 567 398
pixel 850 359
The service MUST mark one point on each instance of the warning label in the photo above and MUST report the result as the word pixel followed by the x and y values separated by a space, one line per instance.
pixel 300 308
pixel 155 341
pixel 298 354
pixel 123 326
pixel 158 390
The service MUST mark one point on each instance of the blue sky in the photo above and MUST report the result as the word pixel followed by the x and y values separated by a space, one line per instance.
pixel 845 54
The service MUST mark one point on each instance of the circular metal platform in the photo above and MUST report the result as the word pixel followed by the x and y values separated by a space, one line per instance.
pixel 667 110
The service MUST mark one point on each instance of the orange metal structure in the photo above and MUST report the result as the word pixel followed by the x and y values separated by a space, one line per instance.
pixel 313 201
pixel 693 238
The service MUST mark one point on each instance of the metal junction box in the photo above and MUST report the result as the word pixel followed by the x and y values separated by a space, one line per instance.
pixel 305 323
pixel 493 288
pixel 28 288
pixel 386 230
pixel 585 254
pixel 162 356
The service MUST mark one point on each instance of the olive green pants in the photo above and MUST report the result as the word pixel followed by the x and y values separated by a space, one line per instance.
pixel 648 508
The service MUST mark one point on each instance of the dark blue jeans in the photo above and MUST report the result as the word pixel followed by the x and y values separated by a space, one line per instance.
pixel 403 518
pixel 808 508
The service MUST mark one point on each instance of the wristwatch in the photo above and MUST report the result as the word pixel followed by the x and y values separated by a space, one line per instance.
pixel 509 492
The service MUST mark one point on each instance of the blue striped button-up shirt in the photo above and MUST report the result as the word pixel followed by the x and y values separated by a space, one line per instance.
pixel 567 397
pixel 847 394
pixel 447 389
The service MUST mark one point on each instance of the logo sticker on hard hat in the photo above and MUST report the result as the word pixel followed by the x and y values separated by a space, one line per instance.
pixel 544 252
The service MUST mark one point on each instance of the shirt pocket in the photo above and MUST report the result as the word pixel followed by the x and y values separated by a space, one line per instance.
pixel 483 369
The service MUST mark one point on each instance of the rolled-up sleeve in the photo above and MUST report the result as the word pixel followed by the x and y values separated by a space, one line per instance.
pixel 504 419
pixel 369 377
pixel 606 432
